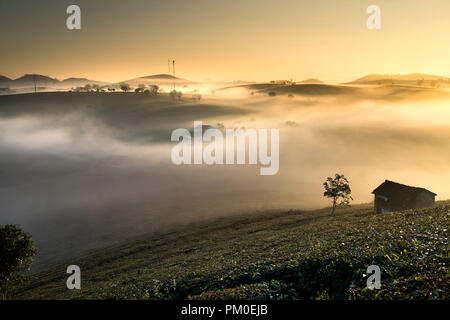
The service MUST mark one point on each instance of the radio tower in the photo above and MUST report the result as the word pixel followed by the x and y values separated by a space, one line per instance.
pixel 173 69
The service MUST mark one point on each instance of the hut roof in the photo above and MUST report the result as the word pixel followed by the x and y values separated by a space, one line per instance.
pixel 392 189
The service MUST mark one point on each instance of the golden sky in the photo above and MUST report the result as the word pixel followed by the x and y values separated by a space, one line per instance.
pixel 224 40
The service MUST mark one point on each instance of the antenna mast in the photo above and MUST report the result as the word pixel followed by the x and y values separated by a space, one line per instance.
pixel 173 69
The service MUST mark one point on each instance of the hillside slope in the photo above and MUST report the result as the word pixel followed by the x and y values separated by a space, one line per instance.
pixel 272 255
pixel 399 77
pixel 385 92
pixel 158 79
pixel 414 79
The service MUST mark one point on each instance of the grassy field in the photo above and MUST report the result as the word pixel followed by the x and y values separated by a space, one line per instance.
pixel 270 255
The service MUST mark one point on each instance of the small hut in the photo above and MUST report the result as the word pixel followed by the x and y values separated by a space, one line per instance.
pixel 392 196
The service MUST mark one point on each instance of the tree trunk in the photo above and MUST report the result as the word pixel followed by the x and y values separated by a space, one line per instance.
pixel 334 207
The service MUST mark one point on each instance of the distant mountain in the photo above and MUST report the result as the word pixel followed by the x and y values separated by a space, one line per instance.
pixel 3 78
pixel 78 82
pixel 413 78
pixel 28 80
pixel 5 81
pixel 70 80
pixel 163 76
pixel 158 79
pixel 310 81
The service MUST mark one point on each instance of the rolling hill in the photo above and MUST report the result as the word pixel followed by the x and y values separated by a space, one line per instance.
pixel 5 81
pixel 417 79
pixel 158 79
pixel 29 80
pixel 348 92
pixel 163 77
pixel 310 81
pixel 75 82
pixel 270 255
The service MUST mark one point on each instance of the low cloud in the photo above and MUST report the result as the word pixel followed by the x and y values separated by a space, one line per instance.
pixel 83 171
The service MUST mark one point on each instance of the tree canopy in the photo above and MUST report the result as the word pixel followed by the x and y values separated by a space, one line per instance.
pixel 338 189
pixel 16 255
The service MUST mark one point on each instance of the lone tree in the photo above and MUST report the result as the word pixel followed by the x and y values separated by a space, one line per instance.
pixel 125 87
pixel 16 256
pixel 338 189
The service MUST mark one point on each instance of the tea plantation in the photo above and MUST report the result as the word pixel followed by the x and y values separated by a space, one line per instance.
pixel 270 255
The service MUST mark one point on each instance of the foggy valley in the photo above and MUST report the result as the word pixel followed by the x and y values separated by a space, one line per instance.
pixel 85 170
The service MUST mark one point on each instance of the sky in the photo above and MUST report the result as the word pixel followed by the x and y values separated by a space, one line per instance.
pixel 255 40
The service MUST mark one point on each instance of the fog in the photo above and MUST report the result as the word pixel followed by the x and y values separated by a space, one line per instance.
pixel 85 170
